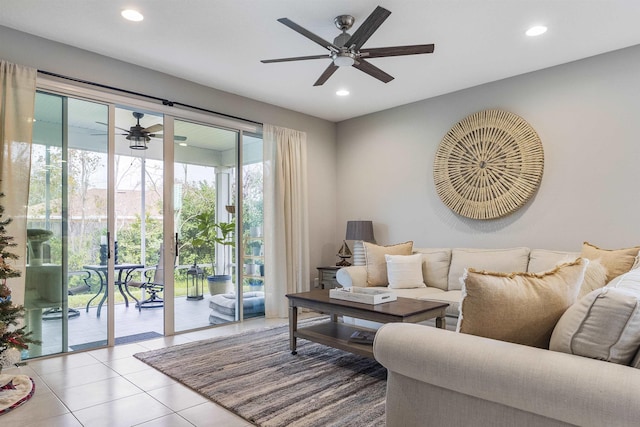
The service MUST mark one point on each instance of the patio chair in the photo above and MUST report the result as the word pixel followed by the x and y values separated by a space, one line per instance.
pixel 153 285
pixel 56 313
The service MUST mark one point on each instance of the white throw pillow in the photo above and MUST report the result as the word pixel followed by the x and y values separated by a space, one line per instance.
pixel 404 271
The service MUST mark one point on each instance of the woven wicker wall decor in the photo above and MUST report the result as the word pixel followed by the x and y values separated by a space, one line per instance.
pixel 488 165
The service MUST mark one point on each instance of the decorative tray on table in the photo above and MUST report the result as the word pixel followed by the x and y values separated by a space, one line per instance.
pixel 363 295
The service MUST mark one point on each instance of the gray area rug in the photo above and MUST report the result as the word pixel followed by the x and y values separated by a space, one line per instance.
pixel 256 376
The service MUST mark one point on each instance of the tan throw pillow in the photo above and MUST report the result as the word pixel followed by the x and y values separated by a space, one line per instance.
pixel 595 277
pixel 376 263
pixel 519 307
pixel 616 261
pixel 604 325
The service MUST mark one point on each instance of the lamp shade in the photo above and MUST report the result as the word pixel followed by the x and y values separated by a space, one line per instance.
pixel 360 230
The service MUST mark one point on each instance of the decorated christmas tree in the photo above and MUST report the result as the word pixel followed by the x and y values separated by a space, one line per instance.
pixel 12 338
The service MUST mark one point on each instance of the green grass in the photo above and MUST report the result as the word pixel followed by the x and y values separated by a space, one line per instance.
pixel 180 290
pixel 81 300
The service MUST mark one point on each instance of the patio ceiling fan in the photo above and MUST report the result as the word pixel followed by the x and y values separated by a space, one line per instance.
pixel 139 136
pixel 346 49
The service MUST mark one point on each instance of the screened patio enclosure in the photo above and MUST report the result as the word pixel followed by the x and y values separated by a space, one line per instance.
pixel 106 213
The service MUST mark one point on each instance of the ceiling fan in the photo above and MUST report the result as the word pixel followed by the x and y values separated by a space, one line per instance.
pixel 139 136
pixel 346 49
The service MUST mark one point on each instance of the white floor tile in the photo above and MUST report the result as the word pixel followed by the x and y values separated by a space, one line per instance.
pixel 177 397
pixel 126 365
pixel 95 393
pixel 150 379
pixel 117 352
pixel 211 415
pixel 77 376
pixel 62 363
pixel 171 420
pixel 124 412
pixel 65 420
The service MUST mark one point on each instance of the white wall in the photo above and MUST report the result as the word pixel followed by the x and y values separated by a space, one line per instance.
pixel 587 114
pixel 25 49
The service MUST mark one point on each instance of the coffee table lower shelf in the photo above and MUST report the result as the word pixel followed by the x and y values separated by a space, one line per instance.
pixel 335 335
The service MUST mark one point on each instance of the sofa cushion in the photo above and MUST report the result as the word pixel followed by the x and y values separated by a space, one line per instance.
pixel 451 297
pixel 503 260
pixel 543 259
pixel 404 271
pixel 616 261
pixel 435 268
pixel 603 325
pixel 417 293
pixel 376 263
pixel 519 307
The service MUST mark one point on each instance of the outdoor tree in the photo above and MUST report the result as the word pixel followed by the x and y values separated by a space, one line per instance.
pixel 12 338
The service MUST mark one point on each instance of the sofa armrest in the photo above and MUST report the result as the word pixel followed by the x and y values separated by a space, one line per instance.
pixel 355 275
pixel 558 386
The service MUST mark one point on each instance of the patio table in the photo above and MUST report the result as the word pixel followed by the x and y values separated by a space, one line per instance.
pixel 124 272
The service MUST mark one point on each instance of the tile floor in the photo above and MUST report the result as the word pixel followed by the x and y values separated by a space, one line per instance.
pixel 109 387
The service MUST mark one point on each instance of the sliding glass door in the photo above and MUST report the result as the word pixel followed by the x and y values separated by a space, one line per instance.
pixel 139 282
pixel 66 218
pixel 139 224
pixel 206 276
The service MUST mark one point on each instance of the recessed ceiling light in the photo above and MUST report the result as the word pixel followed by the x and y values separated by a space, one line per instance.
pixel 342 92
pixel 182 144
pixel 536 30
pixel 132 15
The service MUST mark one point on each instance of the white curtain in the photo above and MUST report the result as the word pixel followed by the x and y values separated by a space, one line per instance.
pixel 17 99
pixel 285 217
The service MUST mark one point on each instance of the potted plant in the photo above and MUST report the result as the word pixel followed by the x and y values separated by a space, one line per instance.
pixel 256 247
pixel 210 234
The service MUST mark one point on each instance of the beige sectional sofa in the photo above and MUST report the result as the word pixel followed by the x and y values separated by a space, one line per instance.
pixel 442 269
pixel 440 378
pixel 587 374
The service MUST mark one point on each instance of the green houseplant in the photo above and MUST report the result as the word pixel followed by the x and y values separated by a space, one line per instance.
pixel 209 235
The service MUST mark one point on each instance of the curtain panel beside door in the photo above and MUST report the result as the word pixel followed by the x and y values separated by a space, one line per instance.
pixel 285 216
pixel 17 99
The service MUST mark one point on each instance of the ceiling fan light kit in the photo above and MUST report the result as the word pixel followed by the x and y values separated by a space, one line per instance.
pixel 137 143
pixel 346 49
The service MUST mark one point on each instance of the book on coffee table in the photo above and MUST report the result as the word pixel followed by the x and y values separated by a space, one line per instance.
pixel 362 337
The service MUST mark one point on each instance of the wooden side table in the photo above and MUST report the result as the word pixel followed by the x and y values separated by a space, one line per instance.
pixel 327 277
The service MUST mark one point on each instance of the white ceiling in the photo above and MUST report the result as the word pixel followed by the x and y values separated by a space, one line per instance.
pixel 220 43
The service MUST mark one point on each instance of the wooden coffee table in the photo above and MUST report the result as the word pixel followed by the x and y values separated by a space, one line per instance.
pixel 335 334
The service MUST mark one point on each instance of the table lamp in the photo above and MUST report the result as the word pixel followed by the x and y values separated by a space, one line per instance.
pixel 359 232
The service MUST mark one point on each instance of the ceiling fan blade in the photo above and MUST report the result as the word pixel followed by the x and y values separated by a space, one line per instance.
pixel 327 73
pixel 296 58
pixel 372 70
pixel 308 34
pixel 175 137
pixel 380 52
pixel 107 124
pixel 368 27
pixel 153 128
